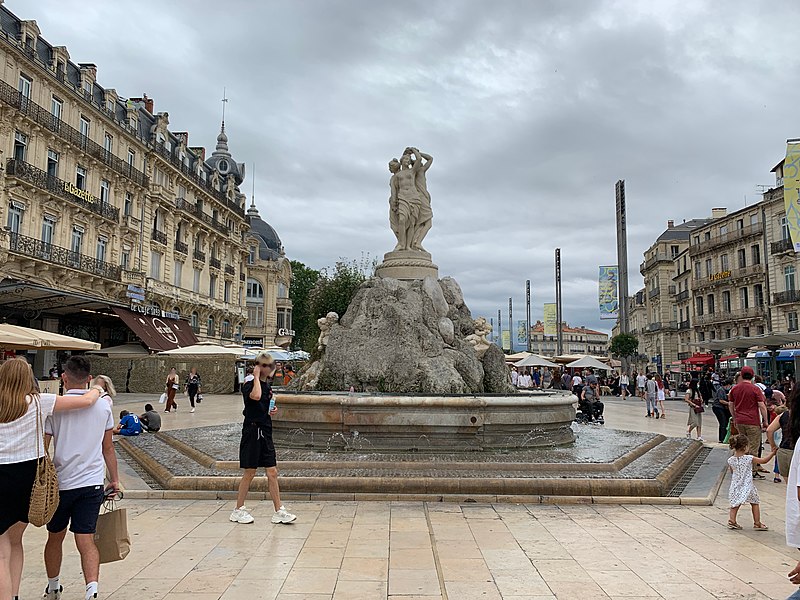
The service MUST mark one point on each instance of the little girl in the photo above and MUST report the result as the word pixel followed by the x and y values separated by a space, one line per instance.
pixel 742 487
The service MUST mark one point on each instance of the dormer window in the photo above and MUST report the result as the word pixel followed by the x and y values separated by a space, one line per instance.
pixel 223 166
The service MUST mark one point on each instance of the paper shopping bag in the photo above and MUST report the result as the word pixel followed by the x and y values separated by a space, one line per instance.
pixel 111 537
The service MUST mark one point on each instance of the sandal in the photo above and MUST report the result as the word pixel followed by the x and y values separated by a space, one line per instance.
pixel 760 527
pixel 777 480
pixel 733 525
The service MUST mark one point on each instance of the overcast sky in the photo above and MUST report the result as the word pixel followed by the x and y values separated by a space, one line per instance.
pixel 531 109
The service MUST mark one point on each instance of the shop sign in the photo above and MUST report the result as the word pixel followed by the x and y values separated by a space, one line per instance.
pixel 249 342
pixel 286 332
pixel 153 311
pixel 79 193
pixel 719 276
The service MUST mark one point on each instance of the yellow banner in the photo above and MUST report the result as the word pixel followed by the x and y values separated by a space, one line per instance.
pixel 506 339
pixel 791 192
pixel 550 320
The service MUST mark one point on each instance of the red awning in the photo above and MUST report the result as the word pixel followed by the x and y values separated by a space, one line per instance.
pixel 729 357
pixel 700 359
pixel 158 333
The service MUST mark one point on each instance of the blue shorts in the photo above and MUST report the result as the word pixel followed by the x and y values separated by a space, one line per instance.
pixel 77 508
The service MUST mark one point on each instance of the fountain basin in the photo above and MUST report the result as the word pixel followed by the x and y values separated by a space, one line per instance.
pixel 379 423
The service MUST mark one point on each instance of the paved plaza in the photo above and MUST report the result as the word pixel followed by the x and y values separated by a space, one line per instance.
pixel 416 551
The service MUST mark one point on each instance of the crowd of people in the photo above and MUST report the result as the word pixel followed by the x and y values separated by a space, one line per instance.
pixel 77 428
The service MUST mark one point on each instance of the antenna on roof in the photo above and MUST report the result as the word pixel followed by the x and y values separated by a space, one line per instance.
pixel 761 188
pixel 224 102
pixel 253 196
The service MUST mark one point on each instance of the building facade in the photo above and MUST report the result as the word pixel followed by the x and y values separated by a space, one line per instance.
pixel 110 218
pixel 576 340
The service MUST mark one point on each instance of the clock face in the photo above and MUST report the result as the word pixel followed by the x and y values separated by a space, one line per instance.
pixel 223 166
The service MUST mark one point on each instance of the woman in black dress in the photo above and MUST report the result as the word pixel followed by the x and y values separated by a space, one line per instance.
pixel 193 386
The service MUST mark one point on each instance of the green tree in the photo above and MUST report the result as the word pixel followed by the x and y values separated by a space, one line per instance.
pixel 624 345
pixel 305 328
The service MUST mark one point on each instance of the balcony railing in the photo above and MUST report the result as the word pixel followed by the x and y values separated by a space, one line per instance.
pixel 199 255
pixel 684 295
pixel 672 290
pixel 654 292
pixel 45 119
pixel 654 326
pixel 131 222
pixel 26 172
pixel 181 247
pixel 160 237
pixel 62 256
pixel 197 212
pixel 229 270
pixel 781 246
pixel 684 325
pixel 725 238
pixel 214 263
pixel 134 277
pixel 787 297
pixel 242 276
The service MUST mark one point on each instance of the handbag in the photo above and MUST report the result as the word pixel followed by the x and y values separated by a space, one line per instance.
pixel 111 536
pixel 44 493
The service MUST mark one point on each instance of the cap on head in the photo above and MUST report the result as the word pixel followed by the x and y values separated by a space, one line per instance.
pixel 747 372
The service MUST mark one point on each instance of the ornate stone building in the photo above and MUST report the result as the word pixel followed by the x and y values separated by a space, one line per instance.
pixel 577 340
pixel 114 226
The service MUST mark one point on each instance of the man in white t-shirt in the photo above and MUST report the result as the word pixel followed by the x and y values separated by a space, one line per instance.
pixel 577 384
pixel 514 376
pixel 524 380
pixel 82 451
pixel 641 382
pixel 623 385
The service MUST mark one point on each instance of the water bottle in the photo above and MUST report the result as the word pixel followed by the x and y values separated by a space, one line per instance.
pixel 271 404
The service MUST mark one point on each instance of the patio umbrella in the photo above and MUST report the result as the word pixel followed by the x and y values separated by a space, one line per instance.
pixel 588 362
pixel 534 360
pixel 14 337
pixel 205 349
pixel 122 351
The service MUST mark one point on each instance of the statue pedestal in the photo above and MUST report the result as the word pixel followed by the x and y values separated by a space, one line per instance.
pixel 407 265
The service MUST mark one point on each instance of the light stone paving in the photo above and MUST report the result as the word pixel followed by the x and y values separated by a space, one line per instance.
pixel 415 551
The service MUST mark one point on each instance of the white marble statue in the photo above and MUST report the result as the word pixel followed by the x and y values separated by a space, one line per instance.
pixel 478 339
pixel 410 214
pixel 325 324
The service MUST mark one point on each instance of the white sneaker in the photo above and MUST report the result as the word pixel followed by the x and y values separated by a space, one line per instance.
pixel 282 516
pixel 241 515
pixel 192 409
pixel 48 595
pixel 700 439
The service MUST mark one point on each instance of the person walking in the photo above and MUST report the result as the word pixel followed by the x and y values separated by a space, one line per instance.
pixel 22 416
pixel 256 448
pixel 719 406
pixel 547 378
pixel 641 382
pixel 171 387
pixel 695 402
pixel 566 380
pixel 742 489
pixel 749 411
pixel 789 434
pixel 651 395
pixel 624 382
pixel 793 486
pixel 660 395
pixel 193 384
pixel 82 451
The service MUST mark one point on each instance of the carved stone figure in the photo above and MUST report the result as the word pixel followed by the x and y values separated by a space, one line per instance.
pixel 478 339
pixel 325 324
pixel 410 201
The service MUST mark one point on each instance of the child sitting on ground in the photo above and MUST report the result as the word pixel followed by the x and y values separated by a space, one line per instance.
pixel 129 424
pixel 742 488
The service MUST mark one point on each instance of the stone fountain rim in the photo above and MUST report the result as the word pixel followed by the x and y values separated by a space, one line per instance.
pixel 428 401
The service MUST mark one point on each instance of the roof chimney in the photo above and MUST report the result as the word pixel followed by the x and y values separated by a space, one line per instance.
pixel 717 213
pixel 148 104
pixel 670 224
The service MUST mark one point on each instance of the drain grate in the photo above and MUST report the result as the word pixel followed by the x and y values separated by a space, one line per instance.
pixel 689 473
pixel 134 464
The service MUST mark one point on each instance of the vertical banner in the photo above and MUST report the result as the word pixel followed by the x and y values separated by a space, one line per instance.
pixel 522 336
pixel 791 192
pixel 506 335
pixel 550 319
pixel 607 292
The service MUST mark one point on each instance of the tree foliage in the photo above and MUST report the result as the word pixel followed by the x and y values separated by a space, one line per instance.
pixel 624 345
pixel 303 281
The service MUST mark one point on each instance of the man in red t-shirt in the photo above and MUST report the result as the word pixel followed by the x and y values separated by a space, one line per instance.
pixel 749 410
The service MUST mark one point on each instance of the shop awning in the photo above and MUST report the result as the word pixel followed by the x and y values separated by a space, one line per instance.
pixel 158 333
pixel 729 357
pixel 700 359
pixel 788 355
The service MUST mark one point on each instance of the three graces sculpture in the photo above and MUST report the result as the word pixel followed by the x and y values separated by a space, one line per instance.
pixel 410 214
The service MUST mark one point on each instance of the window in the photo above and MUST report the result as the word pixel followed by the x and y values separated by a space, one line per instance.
pixel 194 321
pixel 707 236
pixel 760 330
pixel 726 301
pixel 56 107
pixel 15 211
pixel 212 328
pixel 284 319
pixel 84 127
pixel 723 262
pixel 20 146
pixel 727 334
pixel 755 254
pixel 754 219
pixel 226 328
pixel 696 240
pixel 80 178
pixel 255 315
pixel 212 286
pixel 791 319
pixel 127 207
pixel 226 292
pixel 699 306
pixel 105 191
pixel 723 230
pixel 131 157
pixel 283 290
pixel 697 270
pixel 251 257
pixel 711 304
pixel 254 291
pixel 744 298
pixel 701 337
pixel 76 244
pixel 788 278
pixel 712 334
pixel 784 228
pixel 155 264
pixel 746 331
pixel 52 163
pixel 125 260
pixel 182 191
pixel 108 143
pixel 102 245
pixel 48 228
pixel 741 256
pixel 758 295
pixel 196 280
pixel 709 267
pixel 674 251
pixel 24 86
pixel 177 273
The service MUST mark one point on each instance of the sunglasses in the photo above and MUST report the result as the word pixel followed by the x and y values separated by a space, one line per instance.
pixel 265 364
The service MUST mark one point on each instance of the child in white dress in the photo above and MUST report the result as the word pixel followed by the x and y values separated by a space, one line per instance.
pixel 742 487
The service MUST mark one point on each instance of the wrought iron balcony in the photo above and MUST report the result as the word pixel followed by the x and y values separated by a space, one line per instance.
pixel 197 212
pixel 214 263
pixel 781 246
pixel 160 237
pixel 726 238
pixel 229 270
pixel 684 295
pixel 654 292
pixel 683 325
pixel 28 246
pixel 787 297
pixel 58 187
pixel 45 119
pixel 199 255
pixel 131 222
pixel 181 247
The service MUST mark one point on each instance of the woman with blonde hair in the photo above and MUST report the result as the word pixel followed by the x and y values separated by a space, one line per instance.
pixel 22 412
pixel 109 391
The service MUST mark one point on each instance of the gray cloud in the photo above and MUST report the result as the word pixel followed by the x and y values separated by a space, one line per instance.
pixel 531 110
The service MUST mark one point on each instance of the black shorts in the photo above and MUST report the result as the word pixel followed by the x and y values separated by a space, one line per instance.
pixel 16 481
pixel 77 508
pixel 256 448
